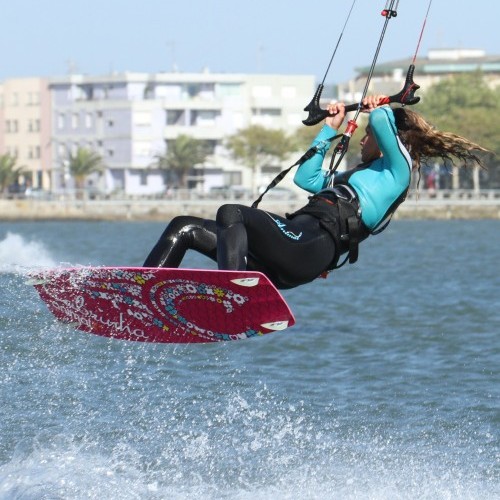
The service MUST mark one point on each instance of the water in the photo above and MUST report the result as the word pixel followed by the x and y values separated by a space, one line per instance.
pixel 387 387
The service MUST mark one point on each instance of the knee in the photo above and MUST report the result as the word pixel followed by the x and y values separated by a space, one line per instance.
pixel 227 215
pixel 177 227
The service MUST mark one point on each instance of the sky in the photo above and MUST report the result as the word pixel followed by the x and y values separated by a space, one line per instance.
pixel 96 37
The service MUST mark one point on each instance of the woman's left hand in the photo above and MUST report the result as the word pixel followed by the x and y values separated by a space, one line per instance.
pixel 371 102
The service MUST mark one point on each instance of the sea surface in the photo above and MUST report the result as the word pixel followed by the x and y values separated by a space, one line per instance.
pixel 388 386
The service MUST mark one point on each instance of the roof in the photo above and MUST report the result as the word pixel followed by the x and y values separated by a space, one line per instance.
pixel 443 61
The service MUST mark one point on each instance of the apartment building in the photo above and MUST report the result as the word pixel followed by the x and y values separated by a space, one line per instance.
pixel 128 118
pixel 25 130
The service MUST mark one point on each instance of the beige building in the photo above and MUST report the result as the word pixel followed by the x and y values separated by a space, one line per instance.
pixel 25 128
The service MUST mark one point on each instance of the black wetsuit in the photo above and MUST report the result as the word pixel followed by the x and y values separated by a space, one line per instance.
pixel 290 250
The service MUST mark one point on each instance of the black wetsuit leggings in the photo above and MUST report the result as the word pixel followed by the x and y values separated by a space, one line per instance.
pixel 290 252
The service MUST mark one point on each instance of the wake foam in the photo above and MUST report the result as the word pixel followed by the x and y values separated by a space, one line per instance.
pixel 17 253
pixel 66 466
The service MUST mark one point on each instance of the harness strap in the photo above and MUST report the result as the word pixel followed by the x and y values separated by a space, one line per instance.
pixel 350 228
pixel 354 233
pixel 342 220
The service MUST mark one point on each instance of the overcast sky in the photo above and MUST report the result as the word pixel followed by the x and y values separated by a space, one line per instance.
pixel 258 36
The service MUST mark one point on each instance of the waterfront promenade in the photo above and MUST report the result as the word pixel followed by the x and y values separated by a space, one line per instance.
pixel 459 204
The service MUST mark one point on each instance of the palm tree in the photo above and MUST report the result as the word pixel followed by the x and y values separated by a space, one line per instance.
pixel 181 155
pixel 9 171
pixel 83 163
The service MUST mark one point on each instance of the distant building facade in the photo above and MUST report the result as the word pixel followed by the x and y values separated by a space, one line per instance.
pixel 388 78
pixel 131 117
pixel 25 128
pixel 128 118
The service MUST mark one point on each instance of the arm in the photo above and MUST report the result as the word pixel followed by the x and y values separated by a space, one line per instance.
pixel 384 129
pixel 310 176
pixel 383 125
pixel 395 157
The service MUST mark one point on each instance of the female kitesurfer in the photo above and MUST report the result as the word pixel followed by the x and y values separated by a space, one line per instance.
pixel 301 246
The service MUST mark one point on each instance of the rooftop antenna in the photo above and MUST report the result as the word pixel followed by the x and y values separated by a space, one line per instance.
pixel 171 45
pixel 71 67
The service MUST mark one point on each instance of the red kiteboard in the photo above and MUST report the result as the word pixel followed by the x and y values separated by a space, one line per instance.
pixel 162 304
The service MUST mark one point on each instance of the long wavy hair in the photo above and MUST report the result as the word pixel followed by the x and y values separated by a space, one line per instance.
pixel 425 142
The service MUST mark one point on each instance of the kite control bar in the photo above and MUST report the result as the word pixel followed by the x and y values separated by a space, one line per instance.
pixel 406 97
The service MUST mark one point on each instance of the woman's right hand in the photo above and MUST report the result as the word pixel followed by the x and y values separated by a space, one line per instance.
pixel 336 116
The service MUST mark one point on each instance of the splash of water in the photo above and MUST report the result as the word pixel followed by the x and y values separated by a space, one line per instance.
pixel 17 253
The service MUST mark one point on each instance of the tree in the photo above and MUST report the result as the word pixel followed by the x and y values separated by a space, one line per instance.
pixel 9 171
pixel 83 163
pixel 257 146
pixel 465 105
pixel 303 136
pixel 180 156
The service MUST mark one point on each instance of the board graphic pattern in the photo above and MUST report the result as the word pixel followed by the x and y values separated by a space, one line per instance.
pixel 164 305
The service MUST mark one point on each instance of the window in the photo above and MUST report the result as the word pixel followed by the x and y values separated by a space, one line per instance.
pixel 204 117
pixel 34 152
pixel 233 178
pixel 149 92
pixel 89 92
pixel 74 120
pixel 88 120
pixel 210 146
pixel 33 98
pixel 34 126
pixel 193 89
pixel 175 117
pixel 228 90
pixel 266 111
pixel 60 121
pixel 61 150
pixel 143 178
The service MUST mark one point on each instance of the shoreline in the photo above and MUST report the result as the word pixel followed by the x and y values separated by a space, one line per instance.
pixel 164 210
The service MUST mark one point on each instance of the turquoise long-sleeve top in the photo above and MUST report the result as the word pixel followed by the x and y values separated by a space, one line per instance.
pixel 378 184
